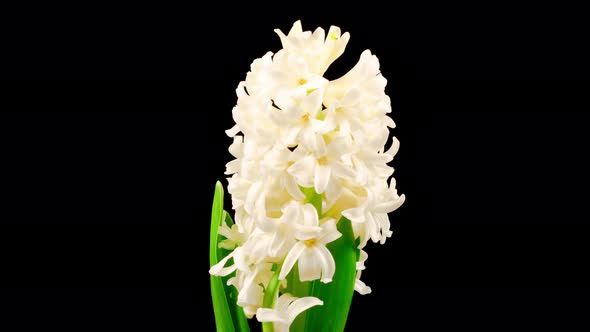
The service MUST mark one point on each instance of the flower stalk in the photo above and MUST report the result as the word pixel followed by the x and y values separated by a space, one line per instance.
pixel 310 186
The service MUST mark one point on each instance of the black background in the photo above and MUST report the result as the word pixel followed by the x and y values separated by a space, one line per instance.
pixel 108 173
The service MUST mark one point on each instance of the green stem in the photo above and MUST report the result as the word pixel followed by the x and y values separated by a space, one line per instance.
pixel 270 295
pixel 313 198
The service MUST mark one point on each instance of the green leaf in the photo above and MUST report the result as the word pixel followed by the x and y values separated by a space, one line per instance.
pixel 229 317
pixel 223 319
pixel 337 295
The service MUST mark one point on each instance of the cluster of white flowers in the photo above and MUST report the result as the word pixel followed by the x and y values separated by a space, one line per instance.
pixel 301 131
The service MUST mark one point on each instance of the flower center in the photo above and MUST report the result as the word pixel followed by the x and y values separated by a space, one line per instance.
pixel 305 117
pixel 310 243
pixel 323 161
pixel 302 81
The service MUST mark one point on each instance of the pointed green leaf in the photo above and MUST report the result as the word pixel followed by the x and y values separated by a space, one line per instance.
pixel 229 317
pixel 337 295
pixel 223 318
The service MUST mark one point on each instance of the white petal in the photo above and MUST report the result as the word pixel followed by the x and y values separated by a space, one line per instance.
pixel 334 47
pixel 303 170
pixel 249 310
pixel 281 327
pixel 394 148
pixel 303 233
pixel 227 244
pixel 251 293
pixel 331 119
pixel 329 232
pixel 300 305
pixel 360 233
pixel 233 166
pixel 312 103
pixel 384 224
pixel 390 205
pixel 270 315
pixel 366 66
pixel 378 158
pixel 351 98
pixel 219 269
pixel 360 287
pixel 233 131
pixel 237 146
pixel 345 128
pixel 319 35
pixel 278 243
pixel 281 36
pixel 310 215
pixel 342 171
pixel 327 262
pixel 289 183
pixel 339 146
pixel 313 142
pixel 356 215
pixel 389 122
pixel 226 231
pixel 383 171
pixel 360 265
pixel 289 135
pixel 283 302
pixel 296 29
pixel 252 196
pixel 233 281
pixel 372 228
pixel 333 33
pixel 332 192
pixel 309 265
pixel 319 126
pixel 291 213
pixel 240 90
pixel 322 176
pixel 362 173
pixel 291 258
pixel 267 224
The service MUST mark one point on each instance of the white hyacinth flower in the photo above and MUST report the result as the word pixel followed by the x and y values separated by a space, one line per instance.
pixel 309 153
pixel 317 50
pixel 314 259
